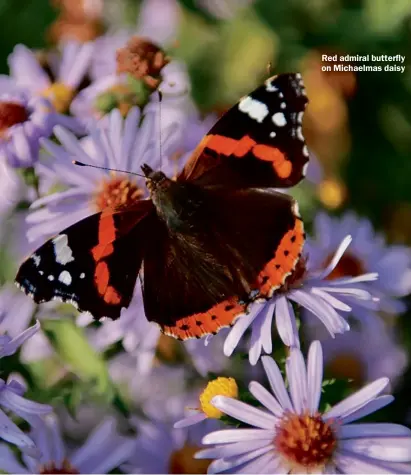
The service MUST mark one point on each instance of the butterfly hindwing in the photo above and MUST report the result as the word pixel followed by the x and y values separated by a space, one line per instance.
pixel 93 264
pixel 258 142
pixel 241 243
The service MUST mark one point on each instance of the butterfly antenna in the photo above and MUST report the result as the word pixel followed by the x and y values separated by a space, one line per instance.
pixel 81 164
pixel 269 68
pixel 160 100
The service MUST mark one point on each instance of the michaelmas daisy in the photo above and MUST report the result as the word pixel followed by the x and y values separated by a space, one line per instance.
pixel 291 435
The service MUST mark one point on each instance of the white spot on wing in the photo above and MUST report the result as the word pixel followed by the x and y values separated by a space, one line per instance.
pixel 279 119
pixel 62 250
pixel 65 277
pixel 36 259
pixel 82 275
pixel 300 135
pixel 305 150
pixel 255 109
pixel 41 272
pixel 300 117
pixel 50 278
pixel 272 134
pixel 283 105
pixel 305 167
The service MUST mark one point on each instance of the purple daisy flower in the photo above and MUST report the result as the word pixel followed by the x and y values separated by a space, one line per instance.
pixel 290 435
pixel 12 400
pixel 122 145
pixel 368 253
pixel 24 119
pixel 311 290
pixel 103 451
pixel 69 69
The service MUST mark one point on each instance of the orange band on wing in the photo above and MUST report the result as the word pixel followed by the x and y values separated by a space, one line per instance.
pixel 106 235
pixel 101 279
pixel 281 165
pixel 220 144
pixel 221 315
pixel 285 259
pixel 112 296
pixel 239 148
pixel 244 146
pixel 101 250
pixel 101 276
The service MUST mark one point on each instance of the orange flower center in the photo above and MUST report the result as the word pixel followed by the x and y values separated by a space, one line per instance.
pixel 65 467
pixel 348 266
pixel 183 461
pixel 117 193
pixel 305 442
pixel 11 114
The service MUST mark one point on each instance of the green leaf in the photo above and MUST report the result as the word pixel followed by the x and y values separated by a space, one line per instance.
pixel 73 348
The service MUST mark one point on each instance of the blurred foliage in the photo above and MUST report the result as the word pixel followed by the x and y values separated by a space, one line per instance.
pixel 23 21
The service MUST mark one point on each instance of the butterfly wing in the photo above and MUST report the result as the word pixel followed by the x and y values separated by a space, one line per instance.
pixel 241 242
pixel 93 264
pixel 258 142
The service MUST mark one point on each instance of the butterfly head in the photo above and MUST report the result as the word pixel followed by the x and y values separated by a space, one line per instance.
pixel 154 179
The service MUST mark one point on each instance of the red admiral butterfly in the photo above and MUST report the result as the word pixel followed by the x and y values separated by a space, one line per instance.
pixel 207 243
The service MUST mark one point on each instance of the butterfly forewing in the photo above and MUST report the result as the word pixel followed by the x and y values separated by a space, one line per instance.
pixel 93 264
pixel 258 142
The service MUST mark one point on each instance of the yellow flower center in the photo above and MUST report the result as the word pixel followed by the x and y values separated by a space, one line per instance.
pixel 218 387
pixel 65 467
pixel 117 193
pixel 60 95
pixel 305 442
pixel 183 461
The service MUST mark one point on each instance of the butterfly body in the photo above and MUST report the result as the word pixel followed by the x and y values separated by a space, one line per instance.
pixel 175 203
pixel 206 244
